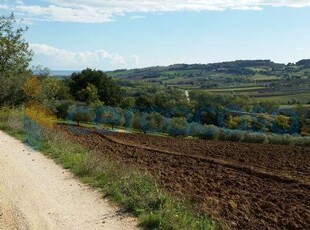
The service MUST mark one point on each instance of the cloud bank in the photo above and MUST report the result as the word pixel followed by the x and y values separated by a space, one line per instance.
pixel 56 58
pixel 101 11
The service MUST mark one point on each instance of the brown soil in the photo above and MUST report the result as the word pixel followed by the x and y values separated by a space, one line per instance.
pixel 247 186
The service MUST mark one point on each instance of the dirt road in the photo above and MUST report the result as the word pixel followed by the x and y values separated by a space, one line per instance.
pixel 35 193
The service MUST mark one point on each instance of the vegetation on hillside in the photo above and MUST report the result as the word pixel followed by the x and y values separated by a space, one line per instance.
pixel 205 75
pixel 258 79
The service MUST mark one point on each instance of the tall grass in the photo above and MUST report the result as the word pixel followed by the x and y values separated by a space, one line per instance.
pixel 136 191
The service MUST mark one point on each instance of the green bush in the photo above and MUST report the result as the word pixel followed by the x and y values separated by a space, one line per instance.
pixel 301 141
pixel 236 136
pixel 210 132
pixel 179 127
pixel 280 139
pixel 230 135
pixel 63 108
pixel 110 116
pixel 4 114
pixel 283 122
pixel 255 137
pixel 81 114
pixel 196 130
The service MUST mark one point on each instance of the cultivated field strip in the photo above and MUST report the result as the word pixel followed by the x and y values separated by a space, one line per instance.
pixel 239 198
pixel 243 168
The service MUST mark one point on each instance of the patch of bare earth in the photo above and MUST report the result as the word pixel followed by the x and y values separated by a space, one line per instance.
pixel 247 186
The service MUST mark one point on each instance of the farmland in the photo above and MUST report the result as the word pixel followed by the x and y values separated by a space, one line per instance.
pixel 286 99
pixel 261 80
pixel 241 185
pixel 210 146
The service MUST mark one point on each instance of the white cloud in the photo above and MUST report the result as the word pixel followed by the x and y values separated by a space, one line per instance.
pixel 136 17
pixel 100 11
pixel 56 58
pixel 4 7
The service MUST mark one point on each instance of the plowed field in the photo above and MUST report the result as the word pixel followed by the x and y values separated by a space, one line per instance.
pixel 246 186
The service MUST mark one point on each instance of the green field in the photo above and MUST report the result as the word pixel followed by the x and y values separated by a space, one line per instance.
pixel 259 77
pixel 303 98
pixel 240 89
pixel 294 106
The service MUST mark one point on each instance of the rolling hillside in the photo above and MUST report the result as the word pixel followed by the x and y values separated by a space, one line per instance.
pixel 256 78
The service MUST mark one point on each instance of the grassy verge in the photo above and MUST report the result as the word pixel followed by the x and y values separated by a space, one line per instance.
pixel 135 191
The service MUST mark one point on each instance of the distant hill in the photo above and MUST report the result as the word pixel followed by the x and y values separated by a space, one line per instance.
pixel 55 73
pixel 197 74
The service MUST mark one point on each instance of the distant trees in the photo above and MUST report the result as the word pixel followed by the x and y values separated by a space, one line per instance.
pixel 143 102
pixel 304 62
pixel 94 85
pixel 265 107
pixel 89 95
pixel 15 57
pixel 283 122
pixel 128 102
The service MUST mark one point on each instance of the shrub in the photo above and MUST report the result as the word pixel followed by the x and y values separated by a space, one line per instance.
pixel 210 132
pixel 224 134
pixel 12 119
pixel 62 109
pixel 301 141
pixel 196 130
pixel 4 114
pixel 236 136
pixel 245 123
pixel 282 122
pixel 81 114
pixel 15 120
pixel 261 123
pixel 179 127
pixel 166 125
pixel 254 137
pixel 110 116
pixel 230 135
pixel 280 139
pixel 232 122
pixel 136 121
pixel 155 122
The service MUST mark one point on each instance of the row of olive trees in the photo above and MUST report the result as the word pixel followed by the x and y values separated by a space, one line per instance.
pixel 154 122
pixel 176 126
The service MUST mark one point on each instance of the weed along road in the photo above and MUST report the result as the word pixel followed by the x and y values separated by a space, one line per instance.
pixel 36 193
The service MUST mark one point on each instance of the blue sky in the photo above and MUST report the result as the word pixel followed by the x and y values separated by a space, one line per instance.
pixel 130 34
